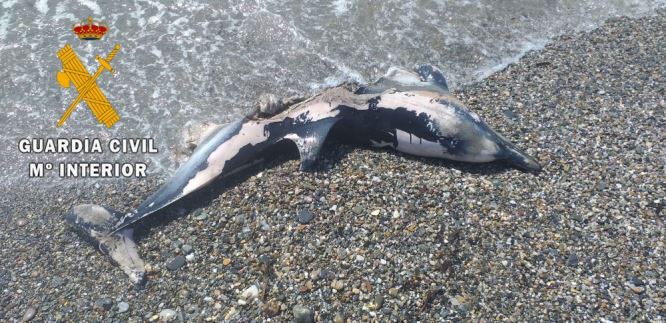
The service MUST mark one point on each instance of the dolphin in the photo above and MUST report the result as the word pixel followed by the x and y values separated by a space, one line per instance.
pixel 409 111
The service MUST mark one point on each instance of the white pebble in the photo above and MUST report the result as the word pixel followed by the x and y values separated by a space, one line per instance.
pixel 250 293
pixel 123 307
pixel 167 315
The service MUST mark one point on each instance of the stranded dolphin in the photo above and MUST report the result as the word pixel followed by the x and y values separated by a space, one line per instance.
pixel 411 112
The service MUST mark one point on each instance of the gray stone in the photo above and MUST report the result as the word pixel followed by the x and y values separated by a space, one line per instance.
pixel 123 307
pixel 201 216
pixel 572 261
pixel 29 314
pixel 378 301
pixel 57 282
pixel 303 314
pixel 104 303
pixel 304 216
pixel 510 115
pixel 176 263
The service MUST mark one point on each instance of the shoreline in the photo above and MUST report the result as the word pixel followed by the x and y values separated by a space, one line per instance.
pixel 394 237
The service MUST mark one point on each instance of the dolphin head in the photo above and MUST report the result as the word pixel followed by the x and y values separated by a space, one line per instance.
pixel 433 124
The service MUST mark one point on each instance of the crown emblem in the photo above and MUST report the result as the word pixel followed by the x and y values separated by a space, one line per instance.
pixel 93 30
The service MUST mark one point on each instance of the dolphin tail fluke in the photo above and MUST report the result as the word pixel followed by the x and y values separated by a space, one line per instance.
pixel 95 223
pixel 516 157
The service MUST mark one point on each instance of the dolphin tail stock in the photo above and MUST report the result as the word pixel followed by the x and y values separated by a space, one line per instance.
pixel 95 223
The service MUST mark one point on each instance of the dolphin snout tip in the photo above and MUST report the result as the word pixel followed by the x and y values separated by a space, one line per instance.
pixel 521 160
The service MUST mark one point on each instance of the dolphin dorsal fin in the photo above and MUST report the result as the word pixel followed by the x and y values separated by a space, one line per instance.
pixel 309 138
pixel 433 76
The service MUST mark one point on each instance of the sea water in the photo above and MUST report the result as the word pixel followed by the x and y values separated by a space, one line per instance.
pixel 184 62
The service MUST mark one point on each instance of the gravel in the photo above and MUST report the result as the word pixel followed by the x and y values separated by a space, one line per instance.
pixel 439 241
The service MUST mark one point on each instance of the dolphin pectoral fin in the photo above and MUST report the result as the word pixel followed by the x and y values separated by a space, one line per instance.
pixel 94 223
pixel 309 139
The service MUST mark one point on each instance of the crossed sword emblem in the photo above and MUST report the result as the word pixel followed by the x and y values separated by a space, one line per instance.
pixel 74 72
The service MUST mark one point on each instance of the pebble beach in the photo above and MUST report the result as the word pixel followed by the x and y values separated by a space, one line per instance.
pixel 375 235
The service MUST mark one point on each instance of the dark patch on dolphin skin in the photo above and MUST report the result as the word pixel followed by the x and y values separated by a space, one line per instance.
pixel 379 124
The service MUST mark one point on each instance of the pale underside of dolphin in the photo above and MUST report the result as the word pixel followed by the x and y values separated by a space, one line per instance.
pixel 411 112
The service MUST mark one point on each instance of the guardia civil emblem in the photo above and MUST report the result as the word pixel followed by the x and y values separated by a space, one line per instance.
pixel 73 72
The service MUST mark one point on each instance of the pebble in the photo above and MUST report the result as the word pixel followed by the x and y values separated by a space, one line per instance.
pixel 510 115
pixel 57 282
pixel 123 307
pixel 572 261
pixel 187 249
pixel 339 318
pixel 29 314
pixel 167 315
pixel 304 216
pixel 337 284
pixel 577 217
pixel 230 314
pixel 177 244
pixel 176 263
pixel 272 308
pixel 190 257
pixel 104 303
pixel 21 222
pixel 303 314
pixel 377 302
pixel 201 216
pixel 250 293
pixel 226 261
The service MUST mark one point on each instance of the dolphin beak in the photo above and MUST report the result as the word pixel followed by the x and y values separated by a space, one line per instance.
pixel 519 158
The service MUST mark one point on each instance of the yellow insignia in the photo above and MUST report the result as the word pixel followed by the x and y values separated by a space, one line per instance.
pixel 74 72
